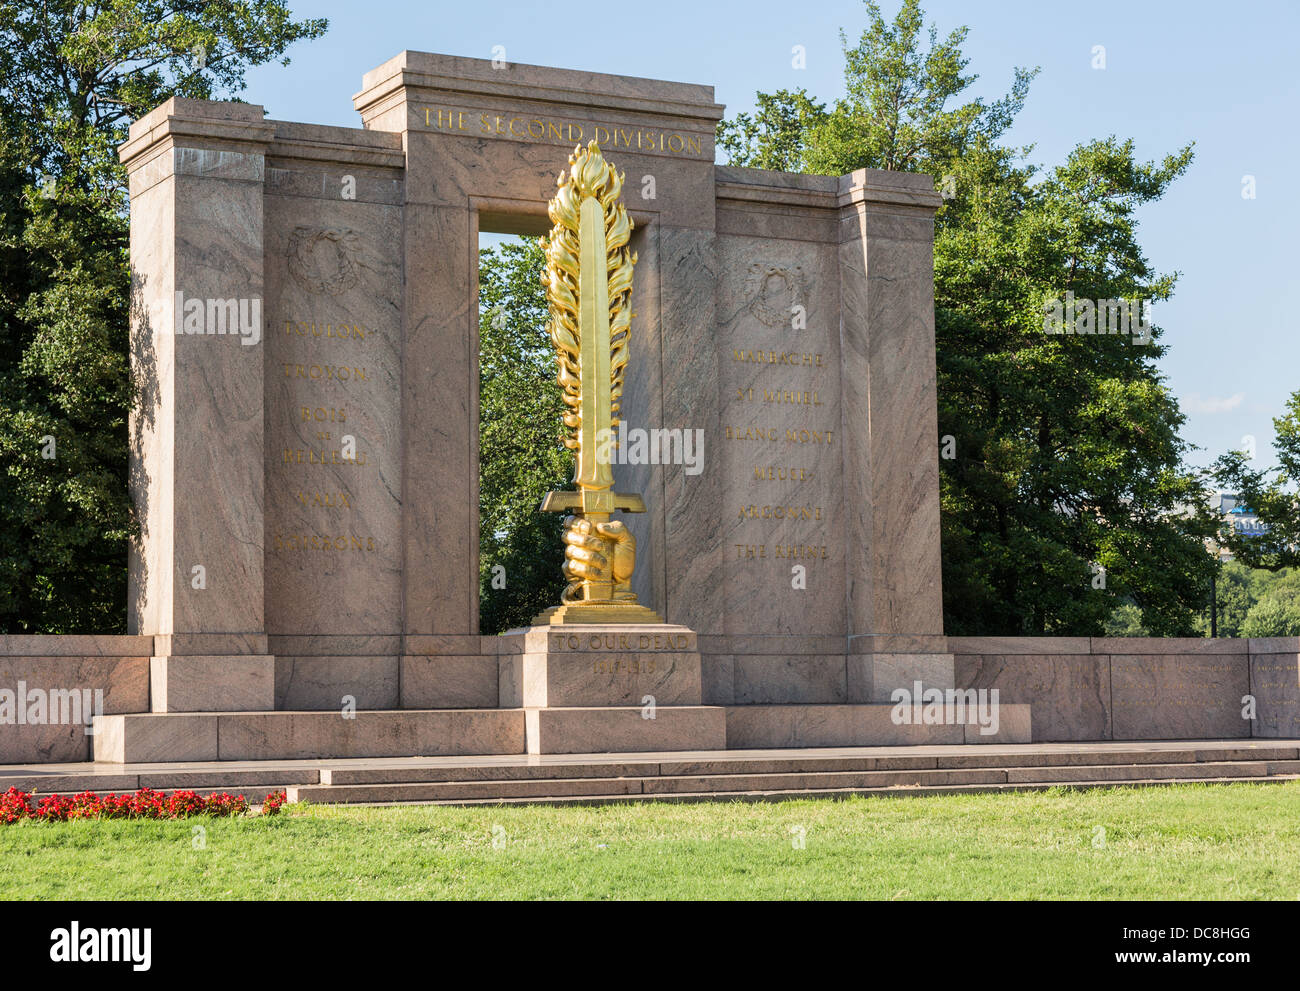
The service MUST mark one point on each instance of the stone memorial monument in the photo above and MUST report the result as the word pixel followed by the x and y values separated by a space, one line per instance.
pixel 752 549
pixel 306 461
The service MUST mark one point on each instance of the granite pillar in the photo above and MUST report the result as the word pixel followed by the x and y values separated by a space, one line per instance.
pixel 196 171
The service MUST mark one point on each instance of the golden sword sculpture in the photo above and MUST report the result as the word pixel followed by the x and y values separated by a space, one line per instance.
pixel 588 279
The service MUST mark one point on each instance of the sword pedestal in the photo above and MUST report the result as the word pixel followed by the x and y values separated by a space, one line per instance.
pixel 608 688
pixel 588 613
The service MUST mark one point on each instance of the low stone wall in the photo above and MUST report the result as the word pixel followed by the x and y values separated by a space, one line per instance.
pixel 1140 688
pixel 1077 688
pixel 754 670
pixel 48 682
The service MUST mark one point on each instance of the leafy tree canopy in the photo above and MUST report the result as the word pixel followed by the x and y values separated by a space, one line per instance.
pixel 1272 493
pixel 1067 496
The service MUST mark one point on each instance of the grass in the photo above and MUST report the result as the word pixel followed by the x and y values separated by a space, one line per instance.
pixel 1238 841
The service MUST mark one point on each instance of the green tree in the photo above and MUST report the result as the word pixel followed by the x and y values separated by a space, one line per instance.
pixel 1236 591
pixel 1067 497
pixel 1068 493
pixel 1272 493
pixel 64 394
pixel 72 77
pixel 521 451
pixel 1240 589
pixel 776 136
pixel 895 114
pixel 1273 617
pixel 1126 621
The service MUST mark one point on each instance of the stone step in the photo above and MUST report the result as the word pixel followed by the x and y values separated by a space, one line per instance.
pixel 1163 754
pixel 422 773
pixel 233 781
pixel 416 791
pixel 790 782
pixel 1123 772
pixel 254 796
pixel 1044 763
pixel 591 798
pixel 862 725
pixel 305 735
pixel 724 764
pixel 298 735
pixel 625 729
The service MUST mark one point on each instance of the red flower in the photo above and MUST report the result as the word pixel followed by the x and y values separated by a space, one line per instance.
pixel 84 806
pixel 223 804
pixel 271 804
pixel 184 803
pixel 14 805
pixel 53 808
pixel 149 804
pixel 117 807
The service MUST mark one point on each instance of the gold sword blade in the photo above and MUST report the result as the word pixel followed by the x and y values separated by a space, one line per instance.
pixel 594 475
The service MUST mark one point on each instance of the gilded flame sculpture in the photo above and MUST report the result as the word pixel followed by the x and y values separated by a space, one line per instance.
pixel 588 279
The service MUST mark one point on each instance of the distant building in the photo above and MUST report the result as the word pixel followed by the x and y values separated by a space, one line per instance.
pixel 1239 516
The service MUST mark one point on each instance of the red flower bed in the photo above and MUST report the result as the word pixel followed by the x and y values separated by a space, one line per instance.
pixel 144 804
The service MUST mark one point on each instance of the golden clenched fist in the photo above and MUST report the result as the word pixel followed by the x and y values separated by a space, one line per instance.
pixel 598 552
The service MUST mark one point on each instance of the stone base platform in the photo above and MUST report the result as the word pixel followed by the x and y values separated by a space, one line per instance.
pixel 613 687
pixel 625 729
pixel 573 729
pixel 255 736
pixel 749 775
pixel 762 726
pixel 609 665
pixel 781 691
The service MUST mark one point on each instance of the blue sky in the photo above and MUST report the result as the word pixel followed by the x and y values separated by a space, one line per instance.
pixel 1220 75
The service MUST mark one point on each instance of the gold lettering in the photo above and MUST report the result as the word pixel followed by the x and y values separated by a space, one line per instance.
pixel 543 129
pixel 322 415
pixel 323 542
pixel 342 331
pixel 777 473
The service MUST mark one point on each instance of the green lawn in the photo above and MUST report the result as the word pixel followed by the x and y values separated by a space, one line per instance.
pixel 1191 841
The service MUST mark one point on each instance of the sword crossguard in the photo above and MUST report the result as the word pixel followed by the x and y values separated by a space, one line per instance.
pixel 592 501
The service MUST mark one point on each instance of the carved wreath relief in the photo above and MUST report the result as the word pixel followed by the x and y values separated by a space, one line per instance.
pixel 321 259
pixel 774 291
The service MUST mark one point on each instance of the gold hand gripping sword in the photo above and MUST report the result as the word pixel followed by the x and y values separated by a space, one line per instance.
pixel 588 279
